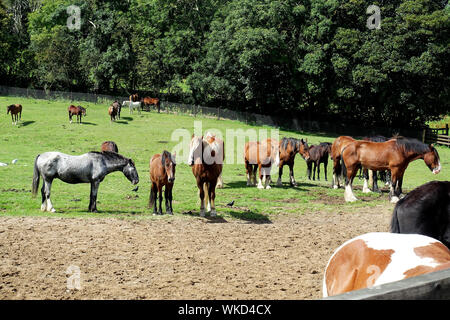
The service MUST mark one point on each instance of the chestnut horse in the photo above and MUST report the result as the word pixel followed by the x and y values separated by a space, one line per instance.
pixel 394 155
pixel 110 146
pixel 289 147
pixel 336 150
pixel 112 111
pixel 16 112
pixel 147 101
pixel 162 173
pixel 78 111
pixel 206 157
pixel 262 155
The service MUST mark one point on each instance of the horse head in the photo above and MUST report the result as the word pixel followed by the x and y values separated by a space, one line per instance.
pixel 303 149
pixel 432 160
pixel 8 109
pixel 83 110
pixel 169 164
pixel 129 170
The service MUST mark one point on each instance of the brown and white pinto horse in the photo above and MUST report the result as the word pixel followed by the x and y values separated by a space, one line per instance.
pixel 377 258
pixel 206 157
pixel 261 155
pixel 16 112
pixel 110 146
pixel 162 173
pixel 289 147
pixel 336 150
pixel 78 111
pixel 112 113
pixel 394 155
pixel 147 101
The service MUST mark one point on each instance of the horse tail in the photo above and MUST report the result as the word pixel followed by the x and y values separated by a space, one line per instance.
pixel 395 226
pixel 36 177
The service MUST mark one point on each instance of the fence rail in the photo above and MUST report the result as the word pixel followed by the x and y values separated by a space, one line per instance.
pixel 289 124
pixel 432 135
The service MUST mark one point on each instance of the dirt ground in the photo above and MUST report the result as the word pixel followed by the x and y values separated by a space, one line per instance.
pixel 181 257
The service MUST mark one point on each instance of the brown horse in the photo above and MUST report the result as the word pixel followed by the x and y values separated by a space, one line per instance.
pixel 262 155
pixel 289 147
pixel 318 154
pixel 206 157
pixel 112 113
pixel 116 105
pixel 78 111
pixel 147 101
pixel 134 97
pixel 394 155
pixel 16 112
pixel 162 173
pixel 336 150
pixel 110 146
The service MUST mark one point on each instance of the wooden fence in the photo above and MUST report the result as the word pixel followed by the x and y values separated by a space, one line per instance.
pixel 436 135
pixel 431 286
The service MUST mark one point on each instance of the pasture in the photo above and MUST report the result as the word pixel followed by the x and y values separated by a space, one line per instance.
pixel 271 244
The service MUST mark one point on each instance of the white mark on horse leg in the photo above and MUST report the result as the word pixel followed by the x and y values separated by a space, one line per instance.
pixel 267 182
pixel 249 182
pixel 395 199
pixel 366 186
pixel 260 185
pixel 348 194
pixel 50 206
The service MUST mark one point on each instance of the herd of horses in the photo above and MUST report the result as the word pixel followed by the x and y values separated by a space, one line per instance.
pixel 419 237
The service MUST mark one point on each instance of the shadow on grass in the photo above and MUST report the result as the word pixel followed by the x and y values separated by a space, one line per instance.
pixel 88 123
pixel 26 123
pixel 122 122
pixel 126 118
pixel 250 216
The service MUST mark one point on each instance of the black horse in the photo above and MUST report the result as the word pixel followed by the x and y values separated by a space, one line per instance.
pixel 426 211
pixel 90 168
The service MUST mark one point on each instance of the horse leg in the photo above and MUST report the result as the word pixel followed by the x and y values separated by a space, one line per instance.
pixel 336 171
pixel 220 182
pixel 254 170
pixel 291 174
pixel 349 196
pixel 202 198
pixel 212 198
pixel 44 198
pixel 393 193
pixel 260 184
pixel 152 198
pixel 314 170
pixel 70 117
pixel 160 200
pixel 375 182
pixel 325 165
pixel 366 174
pixel 280 174
pixel 166 199
pixel 48 186
pixel 93 196
pixel 170 200
pixel 318 170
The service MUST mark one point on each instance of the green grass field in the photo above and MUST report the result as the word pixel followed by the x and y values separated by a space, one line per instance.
pixel 45 127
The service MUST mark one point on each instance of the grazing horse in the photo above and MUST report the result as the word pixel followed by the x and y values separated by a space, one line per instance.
pixel 110 146
pixel 289 147
pixel 78 111
pixel 162 173
pixel 118 107
pixel 112 111
pixel 425 210
pixel 317 155
pixel 147 101
pixel 90 168
pixel 336 150
pixel 261 155
pixel 394 155
pixel 16 112
pixel 377 258
pixel 206 157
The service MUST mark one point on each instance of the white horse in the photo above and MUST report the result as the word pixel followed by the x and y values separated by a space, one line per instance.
pixel 133 105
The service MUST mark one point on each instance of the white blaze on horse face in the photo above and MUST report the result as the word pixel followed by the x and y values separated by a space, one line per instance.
pixel 437 169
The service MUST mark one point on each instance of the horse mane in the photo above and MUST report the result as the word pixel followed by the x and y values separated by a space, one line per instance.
pixel 285 142
pixel 378 138
pixel 413 145
pixel 166 155
pixel 110 155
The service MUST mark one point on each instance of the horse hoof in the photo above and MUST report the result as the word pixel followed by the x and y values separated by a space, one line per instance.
pixel 213 213
pixel 268 187
pixel 53 210
pixel 395 199
pixel 202 213
pixel 335 187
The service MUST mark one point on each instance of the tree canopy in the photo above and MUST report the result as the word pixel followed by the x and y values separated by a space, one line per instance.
pixel 310 58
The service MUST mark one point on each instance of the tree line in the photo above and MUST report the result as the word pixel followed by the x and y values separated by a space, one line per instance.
pixel 316 59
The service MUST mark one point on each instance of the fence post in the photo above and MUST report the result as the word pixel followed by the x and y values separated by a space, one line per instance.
pixel 424 133
pixel 446 129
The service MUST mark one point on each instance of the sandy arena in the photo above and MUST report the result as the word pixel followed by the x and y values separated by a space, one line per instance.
pixel 182 257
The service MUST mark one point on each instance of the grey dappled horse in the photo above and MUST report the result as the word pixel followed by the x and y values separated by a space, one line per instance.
pixel 90 168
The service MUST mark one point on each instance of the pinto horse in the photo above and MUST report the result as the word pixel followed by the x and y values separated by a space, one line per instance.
pixel 78 111
pixel 147 101
pixel 394 155
pixel 162 173
pixel 261 155
pixel 425 210
pixel 90 168
pixel 206 157
pixel 110 146
pixel 112 113
pixel 289 147
pixel 336 150
pixel 16 112
pixel 317 155
pixel 377 258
